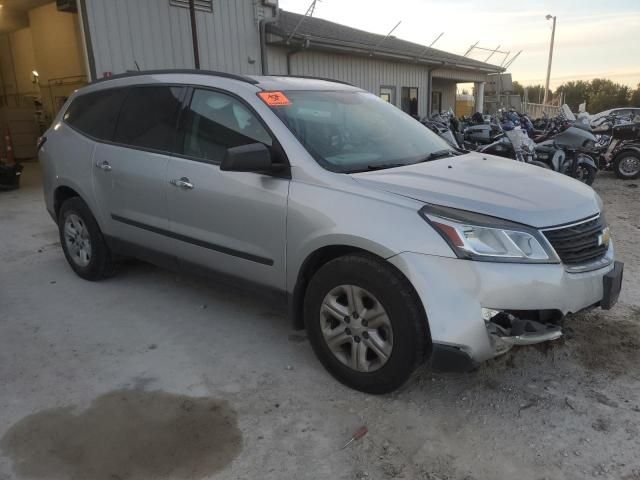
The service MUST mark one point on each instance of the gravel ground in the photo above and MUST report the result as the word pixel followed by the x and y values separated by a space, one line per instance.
pixel 152 375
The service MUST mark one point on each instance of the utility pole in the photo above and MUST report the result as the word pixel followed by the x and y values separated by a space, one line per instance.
pixel 553 35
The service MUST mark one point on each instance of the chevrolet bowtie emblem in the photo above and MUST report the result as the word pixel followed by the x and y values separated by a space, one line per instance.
pixel 605 237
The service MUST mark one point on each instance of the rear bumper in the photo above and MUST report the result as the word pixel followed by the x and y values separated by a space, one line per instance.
pixel 455 291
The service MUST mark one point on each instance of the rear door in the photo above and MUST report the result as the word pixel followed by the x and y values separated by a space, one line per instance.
pixel 231 222
pixel 130 177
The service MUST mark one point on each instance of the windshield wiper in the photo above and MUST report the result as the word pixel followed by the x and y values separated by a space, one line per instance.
pixel 431 156
pixel 383 166
pixel 439 154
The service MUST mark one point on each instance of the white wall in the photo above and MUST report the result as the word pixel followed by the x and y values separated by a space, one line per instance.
pixel 57 50
pixel 448 90
pixel 17 61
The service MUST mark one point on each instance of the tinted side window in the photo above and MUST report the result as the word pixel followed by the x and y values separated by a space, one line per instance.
pixel 215 122
pixel 95 114
pixel 148 117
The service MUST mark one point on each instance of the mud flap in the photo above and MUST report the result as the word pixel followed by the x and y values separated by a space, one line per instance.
pixel 611 286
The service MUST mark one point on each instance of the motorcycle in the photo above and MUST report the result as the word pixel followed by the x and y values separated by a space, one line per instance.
pixel 514 143
pixel 566 147
pixel 618 146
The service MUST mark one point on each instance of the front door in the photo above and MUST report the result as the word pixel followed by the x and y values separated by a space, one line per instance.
pixel 231 222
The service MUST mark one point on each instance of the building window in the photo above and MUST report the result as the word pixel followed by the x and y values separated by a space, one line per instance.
pixel 409 101
pixel 388 94
pixel 436 102
pixel 204 5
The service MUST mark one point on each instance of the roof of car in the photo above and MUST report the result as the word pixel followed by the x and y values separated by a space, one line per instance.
pixel 264 82
pixel 283 82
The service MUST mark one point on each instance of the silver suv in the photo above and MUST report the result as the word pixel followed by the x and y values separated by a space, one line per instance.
pixel 389 245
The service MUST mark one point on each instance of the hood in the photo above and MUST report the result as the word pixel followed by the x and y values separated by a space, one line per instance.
pixel 490 185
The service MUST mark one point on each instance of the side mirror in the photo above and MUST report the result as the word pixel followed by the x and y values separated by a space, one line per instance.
pixel 254 157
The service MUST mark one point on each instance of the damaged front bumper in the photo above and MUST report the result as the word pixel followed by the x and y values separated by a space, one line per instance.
pixel 506 330
pixel 526 302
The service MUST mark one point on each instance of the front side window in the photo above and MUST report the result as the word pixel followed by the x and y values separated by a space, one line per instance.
pixel 215 122
pixel 149 116
pixel 355 131
pixel 95 114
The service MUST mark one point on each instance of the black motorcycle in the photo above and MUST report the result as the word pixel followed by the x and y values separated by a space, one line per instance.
pixel 618 146
pixel 567 147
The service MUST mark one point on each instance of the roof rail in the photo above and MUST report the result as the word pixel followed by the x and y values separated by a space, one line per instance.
pixel 309 77
pixel 232 76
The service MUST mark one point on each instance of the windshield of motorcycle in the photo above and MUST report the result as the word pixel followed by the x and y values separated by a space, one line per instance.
pixel 518 138
pixel 355 131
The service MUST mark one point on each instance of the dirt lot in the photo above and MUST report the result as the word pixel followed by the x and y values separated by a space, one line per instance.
pixel 151 375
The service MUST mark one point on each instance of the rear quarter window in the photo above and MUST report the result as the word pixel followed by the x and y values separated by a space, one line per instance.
pixel 96 114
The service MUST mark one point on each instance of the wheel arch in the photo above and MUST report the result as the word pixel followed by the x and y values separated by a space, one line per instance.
pixel 61 194
pixel 321 256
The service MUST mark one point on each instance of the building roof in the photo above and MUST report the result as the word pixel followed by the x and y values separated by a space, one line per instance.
pixel 324 33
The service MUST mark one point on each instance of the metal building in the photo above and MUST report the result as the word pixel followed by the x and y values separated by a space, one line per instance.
pixel 254 36
pixel 51 47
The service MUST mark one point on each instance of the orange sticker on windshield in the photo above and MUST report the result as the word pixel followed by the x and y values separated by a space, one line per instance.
pixel 275 99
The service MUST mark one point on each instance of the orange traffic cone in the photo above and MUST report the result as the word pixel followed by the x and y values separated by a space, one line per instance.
pixel 11 159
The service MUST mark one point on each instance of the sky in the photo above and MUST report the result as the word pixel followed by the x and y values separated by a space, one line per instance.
pixel 594 38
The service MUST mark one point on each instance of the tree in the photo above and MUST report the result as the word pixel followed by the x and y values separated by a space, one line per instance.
pixel 535 93
pixel 574 93
pixel 635 97
pixel 518 89
pixel 605 94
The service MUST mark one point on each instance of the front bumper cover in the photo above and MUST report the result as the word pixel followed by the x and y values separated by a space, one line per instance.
pixel 455 291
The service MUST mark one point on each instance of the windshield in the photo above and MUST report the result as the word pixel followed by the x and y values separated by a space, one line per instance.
pixel 357 131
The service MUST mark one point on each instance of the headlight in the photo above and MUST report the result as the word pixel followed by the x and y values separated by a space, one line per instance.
pixel 474 236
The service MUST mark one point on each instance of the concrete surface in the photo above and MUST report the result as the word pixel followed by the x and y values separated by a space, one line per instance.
pixel 153 375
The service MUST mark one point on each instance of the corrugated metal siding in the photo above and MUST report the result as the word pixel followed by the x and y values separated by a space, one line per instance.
pixel 448 90
pixel 460 75
pixel 366 73
pixel 158 35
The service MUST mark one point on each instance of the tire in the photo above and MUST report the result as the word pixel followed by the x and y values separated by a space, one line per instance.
pixel 589 173
pixel 82 241
pixel 626 165
pixel 388 351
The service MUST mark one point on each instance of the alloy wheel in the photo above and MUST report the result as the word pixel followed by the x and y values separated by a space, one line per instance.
pixel 77 240
pixel 356 328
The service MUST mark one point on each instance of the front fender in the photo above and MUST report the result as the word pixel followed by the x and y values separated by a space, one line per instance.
pixel 587 160
pixel 628 148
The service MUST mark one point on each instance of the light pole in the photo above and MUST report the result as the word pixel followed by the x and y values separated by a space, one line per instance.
pixel 553 35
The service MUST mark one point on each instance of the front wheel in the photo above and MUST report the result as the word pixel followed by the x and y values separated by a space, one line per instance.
pixel 366 323
pixel 586 173
pixel 626 165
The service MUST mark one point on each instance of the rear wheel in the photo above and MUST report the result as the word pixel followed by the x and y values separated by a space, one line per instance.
pixel 626 165
pixel 366 323
pixel 586 173
pixel 82 241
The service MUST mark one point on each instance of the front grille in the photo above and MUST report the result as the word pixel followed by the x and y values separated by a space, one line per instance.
pixel 581 243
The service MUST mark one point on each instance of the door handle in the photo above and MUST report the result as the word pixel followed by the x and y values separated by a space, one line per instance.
pixel 104 166
pixel 183 183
